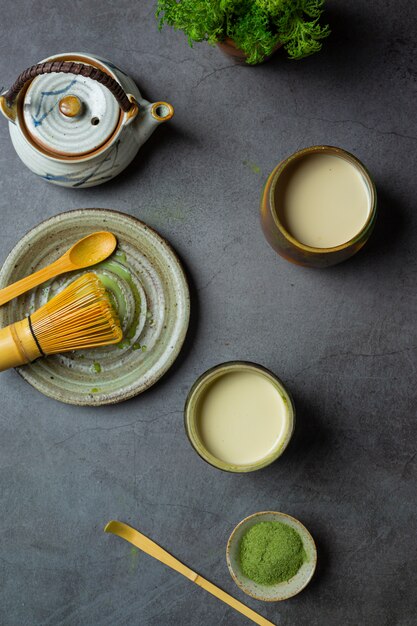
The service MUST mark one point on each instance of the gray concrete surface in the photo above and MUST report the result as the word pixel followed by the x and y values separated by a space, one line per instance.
pixel 343 339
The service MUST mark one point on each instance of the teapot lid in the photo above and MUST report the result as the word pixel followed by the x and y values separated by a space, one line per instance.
pixel 69 114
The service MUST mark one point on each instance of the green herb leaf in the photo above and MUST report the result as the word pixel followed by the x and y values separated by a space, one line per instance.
pixel 256 26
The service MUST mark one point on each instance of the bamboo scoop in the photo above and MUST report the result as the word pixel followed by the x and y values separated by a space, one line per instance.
pixel 150 547
pixel 86 252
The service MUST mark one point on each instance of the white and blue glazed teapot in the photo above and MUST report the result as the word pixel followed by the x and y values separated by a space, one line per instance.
pixel 76 120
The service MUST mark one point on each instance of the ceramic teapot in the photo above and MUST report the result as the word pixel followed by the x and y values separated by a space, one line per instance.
pixel 77 120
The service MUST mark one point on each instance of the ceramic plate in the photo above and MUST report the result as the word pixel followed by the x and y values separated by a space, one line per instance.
pixel 281 591
pixel 146 281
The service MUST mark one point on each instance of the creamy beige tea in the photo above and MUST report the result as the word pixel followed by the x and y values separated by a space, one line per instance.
pixel 242 417
pixel 322 200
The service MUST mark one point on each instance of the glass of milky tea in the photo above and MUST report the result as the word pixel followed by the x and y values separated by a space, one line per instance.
pixel 318 206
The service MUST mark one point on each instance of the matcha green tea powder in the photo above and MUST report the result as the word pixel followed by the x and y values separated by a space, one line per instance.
pixel 270 553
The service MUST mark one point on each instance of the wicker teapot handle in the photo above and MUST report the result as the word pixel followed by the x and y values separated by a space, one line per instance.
pixel 69 67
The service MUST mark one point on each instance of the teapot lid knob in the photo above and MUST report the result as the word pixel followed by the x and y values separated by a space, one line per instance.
pixel 70 106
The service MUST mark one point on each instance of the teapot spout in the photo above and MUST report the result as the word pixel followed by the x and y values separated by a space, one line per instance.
pixel 161 111
pixel 151 114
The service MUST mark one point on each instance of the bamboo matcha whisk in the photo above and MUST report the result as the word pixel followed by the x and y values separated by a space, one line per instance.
pixel 81 316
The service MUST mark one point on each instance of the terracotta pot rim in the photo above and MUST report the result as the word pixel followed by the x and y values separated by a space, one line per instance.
pixel 228 46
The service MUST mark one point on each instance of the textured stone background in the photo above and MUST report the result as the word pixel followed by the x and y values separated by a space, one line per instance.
pixel 343 339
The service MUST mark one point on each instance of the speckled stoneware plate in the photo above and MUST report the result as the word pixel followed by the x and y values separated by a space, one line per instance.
pixel 148 286
pixel 281 591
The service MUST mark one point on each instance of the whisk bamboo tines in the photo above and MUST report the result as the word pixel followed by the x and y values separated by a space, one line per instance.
pixel 81 316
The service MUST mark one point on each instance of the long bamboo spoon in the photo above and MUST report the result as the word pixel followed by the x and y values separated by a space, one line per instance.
pixel 86 252
pixel 150 547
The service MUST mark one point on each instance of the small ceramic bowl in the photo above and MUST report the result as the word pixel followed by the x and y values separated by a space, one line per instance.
pixel 192 412
pixel 281 239
pixel 280 591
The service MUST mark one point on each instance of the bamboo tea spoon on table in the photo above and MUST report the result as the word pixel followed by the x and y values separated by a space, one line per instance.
pixel 86 252
pixel 150 547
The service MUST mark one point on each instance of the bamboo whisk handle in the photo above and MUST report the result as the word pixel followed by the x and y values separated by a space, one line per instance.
pixel 17 345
